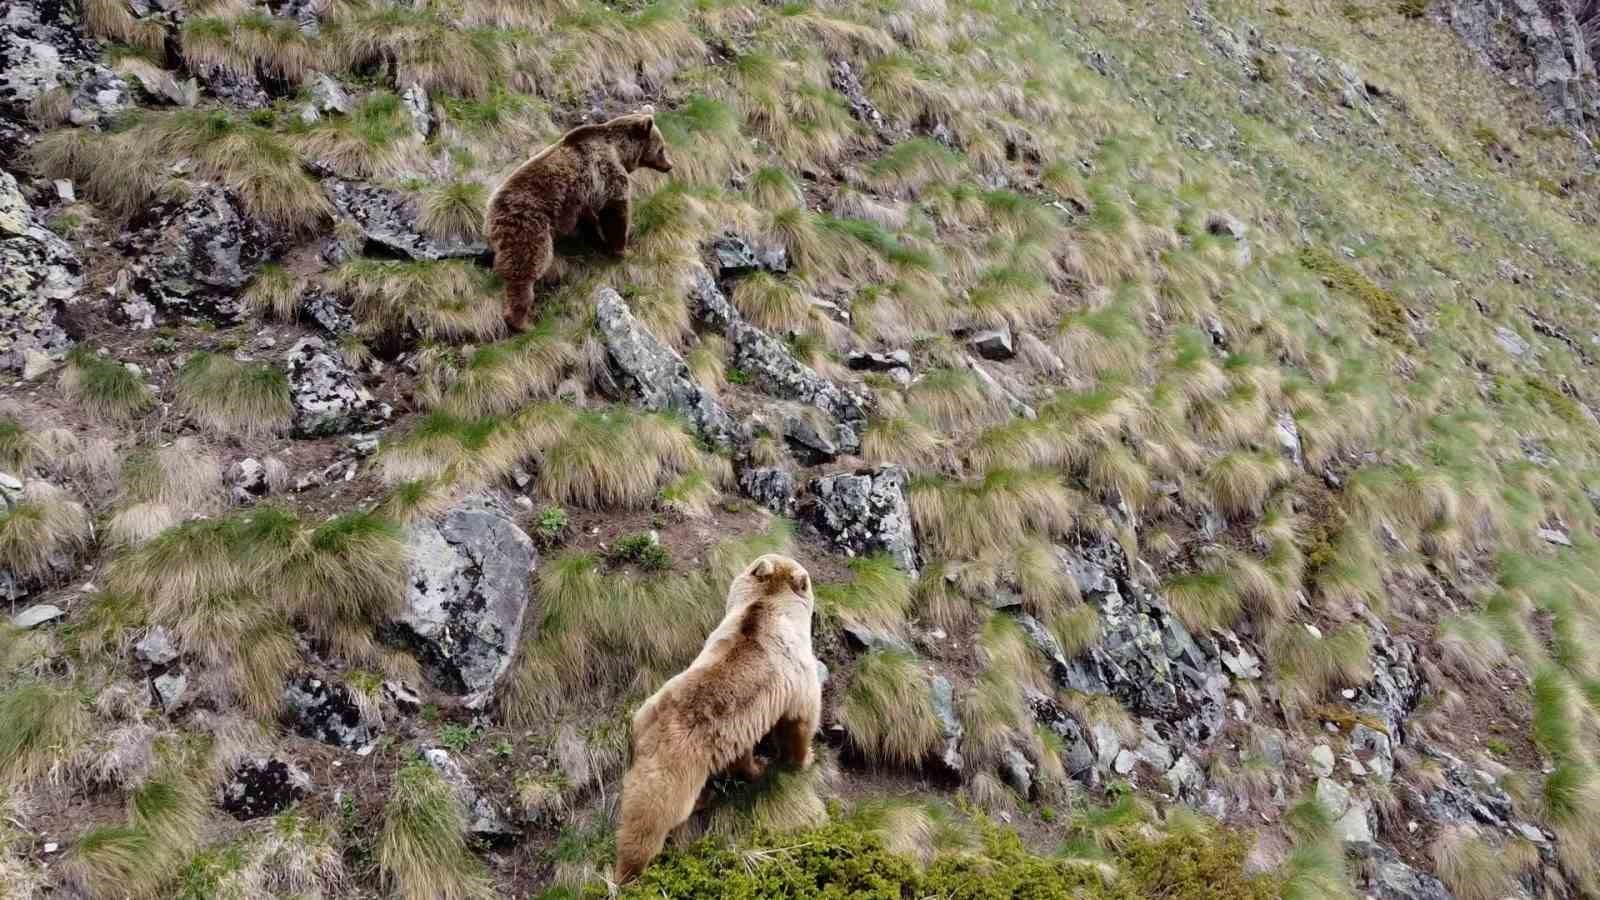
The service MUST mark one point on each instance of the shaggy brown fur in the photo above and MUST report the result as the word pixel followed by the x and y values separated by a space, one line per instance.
pixel 581 179
pixel 755 675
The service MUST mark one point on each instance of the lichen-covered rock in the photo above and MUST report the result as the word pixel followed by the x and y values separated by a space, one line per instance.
pixel 250 479
pixel 774 370
pixel 328 312
pixel 640 367
pixel 1396 686
pixel 1144 656
pixel 328 395
pixel 770 486
pixel 326 712
pixel 263 786
pixel 193 259
pixel 42 49
pixel 156 648
pixel 1077 757
pixel 735 256
pixel 942 693
pixel 468 594
pixel 866 512
pixel 845 81
pixel 39 273
pixel 388 218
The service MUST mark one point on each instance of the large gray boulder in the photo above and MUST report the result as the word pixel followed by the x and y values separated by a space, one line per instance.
pixel 388 218
pixel 641 368
pixel 39 273
pixel 1385 876
pixel 328 395
pixel 193 259
pixel 468 594
pixel 866 512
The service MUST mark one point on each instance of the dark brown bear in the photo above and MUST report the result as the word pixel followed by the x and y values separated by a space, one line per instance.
pixel 581 179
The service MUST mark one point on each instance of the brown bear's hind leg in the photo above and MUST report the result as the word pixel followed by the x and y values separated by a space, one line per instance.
pixel 519 265
pixel 613 222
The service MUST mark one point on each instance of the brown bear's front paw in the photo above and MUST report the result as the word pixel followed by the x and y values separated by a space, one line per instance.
pixel 516 324
pixel 752 769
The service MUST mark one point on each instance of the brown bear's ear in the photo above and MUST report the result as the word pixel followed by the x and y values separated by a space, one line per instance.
pixel 802 583
pixel 763 569
pixel 646 123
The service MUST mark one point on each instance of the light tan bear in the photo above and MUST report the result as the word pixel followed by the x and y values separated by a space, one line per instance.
pixel 755 675
pixel 581 179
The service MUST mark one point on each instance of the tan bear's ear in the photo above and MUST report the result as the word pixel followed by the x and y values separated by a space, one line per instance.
pixel 802 583
pixel 763 569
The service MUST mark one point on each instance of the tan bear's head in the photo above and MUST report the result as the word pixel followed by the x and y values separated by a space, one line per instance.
pixel 770 575
pixel 653 152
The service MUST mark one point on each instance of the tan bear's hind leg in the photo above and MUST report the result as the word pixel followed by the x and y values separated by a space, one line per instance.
pixel 654 801
pixel 794 741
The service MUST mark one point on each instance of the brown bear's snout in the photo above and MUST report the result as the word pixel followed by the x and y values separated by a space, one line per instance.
pixel 661 163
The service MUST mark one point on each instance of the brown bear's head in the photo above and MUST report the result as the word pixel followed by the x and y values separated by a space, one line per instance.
pixel 653 152
pixel 774 573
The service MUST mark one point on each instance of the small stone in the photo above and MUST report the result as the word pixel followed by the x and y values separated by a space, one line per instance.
pixel 523 503
pixel 1348 693
pixel 1125 761
pixel 51 847
pixel 35 364
pixel 34 616
pixel 1333 796
pixel 1356 768
pixel 994 344
pixel 169 689
pixel 156 648
pixel 64 190
pixel 1529 832
pixel 1552 536
pixel 1322 760
pixel 1314 631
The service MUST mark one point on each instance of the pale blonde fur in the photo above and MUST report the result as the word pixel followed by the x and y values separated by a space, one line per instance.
pixel 756 675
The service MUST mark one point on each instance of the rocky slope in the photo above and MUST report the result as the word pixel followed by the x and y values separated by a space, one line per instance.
pixel 1185 412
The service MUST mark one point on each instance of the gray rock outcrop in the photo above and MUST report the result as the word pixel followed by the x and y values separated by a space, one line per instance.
pixel 866 512
pixel 1537 44
pixel 467 597
pixel 328 395
pixel 327 712
pixel 193 259
pixel 484 821
pixel 640 367
pixel 39 273
pixel 388 218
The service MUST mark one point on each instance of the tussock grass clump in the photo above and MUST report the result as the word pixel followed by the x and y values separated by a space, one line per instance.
pixel 419 44
pixel 105 387
pixel 275 290
pixel 448 300
pixel 249 40
pixel 230 588
pixel 1238 483
pixel 41 532
pixel 782 801
pixel 19 445
pixel 1309 665
pixel 161 487
pixel 773 304
pixel 43 726
pixel 887 711
pixel 703 136
pixel 114 21
pixel 614 459
pixel 454 210
pixel 876 598
pixel 963 520
pixel 166 823
pixel 254 162
pixel 498 378
pixel 956 401
pixel 422 849
pixel 376 138
pixel 902 439
pixel 294 853
pixel 234 398
pixel 1471 867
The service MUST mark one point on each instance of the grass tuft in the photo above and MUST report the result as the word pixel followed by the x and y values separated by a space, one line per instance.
pixel 887 711
pixel 422 849
pixel 234 398
pixel 107 389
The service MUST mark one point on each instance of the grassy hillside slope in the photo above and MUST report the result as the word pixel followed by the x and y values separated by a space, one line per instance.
pixel 1303 302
